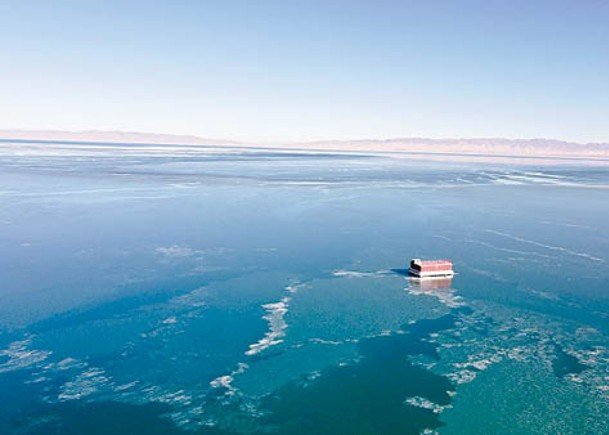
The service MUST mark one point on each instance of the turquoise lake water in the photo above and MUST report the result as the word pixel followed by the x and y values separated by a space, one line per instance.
pixel 263 293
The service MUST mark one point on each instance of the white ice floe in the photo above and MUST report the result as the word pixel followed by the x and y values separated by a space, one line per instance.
pixel 591 357
pixel 172 398
pixel 425 365
pixel 191 299
pixel 226 381
pixel 37 380
pixel 68 363
pixel 518 353
pixel 126 386
pixel 84 384
pixel 275 313
pixel 170 320
pixel 19 355
pixel 520 178
pixel 295 287
pixel 462 376
pixel 481 361
pixel 314 375
pixel 574 378
pixel 506 181
pixel 324 341
pixel 421 402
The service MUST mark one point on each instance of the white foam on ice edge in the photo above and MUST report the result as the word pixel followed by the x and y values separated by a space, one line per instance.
pixel 226 381
pixel 421 402
pixel 275 313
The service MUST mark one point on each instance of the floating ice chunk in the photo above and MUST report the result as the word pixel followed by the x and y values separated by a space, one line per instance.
pixel 421 402
pixel 178 397
pixel 126 386
pixel 85 384
pixel 277 326
pixel 37 380
pixel 574 378
pixel 20 356
pixel 226 381
pixel 518 353
pixel 69 363
pixel 294 287
pixel 313 375
pixel 324 341
pixel 462 376
pixel 170 320
pixel 194 298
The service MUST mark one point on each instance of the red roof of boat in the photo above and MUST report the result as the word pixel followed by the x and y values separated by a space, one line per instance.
pixel 436 263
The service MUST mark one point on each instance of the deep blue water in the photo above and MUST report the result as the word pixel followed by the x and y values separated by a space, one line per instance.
pixel 261 292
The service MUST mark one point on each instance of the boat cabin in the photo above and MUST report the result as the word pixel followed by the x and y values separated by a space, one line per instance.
pixel 433 268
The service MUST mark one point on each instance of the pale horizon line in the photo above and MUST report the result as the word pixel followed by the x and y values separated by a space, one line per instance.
pixel 28 134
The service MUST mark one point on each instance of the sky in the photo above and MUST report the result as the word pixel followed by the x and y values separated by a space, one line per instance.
pixel 283 70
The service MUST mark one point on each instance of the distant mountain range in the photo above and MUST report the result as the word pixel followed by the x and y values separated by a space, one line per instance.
pixel 110 136
pixel 477 146
pixel 482 146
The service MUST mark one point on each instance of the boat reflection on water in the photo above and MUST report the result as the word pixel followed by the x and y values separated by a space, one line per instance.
pixel 431 284
pixel 439 288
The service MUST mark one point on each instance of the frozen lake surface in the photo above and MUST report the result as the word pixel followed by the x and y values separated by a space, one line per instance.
pixel 262 292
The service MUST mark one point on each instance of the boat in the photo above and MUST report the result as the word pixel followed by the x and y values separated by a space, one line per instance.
pixel 430 268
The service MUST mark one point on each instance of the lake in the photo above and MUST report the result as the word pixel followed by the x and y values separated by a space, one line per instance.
pixel 258 291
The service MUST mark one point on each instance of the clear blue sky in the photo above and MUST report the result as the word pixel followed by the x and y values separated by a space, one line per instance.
pixel 308 69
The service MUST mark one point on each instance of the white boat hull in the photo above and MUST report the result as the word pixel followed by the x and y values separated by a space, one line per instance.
pixel 434 274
